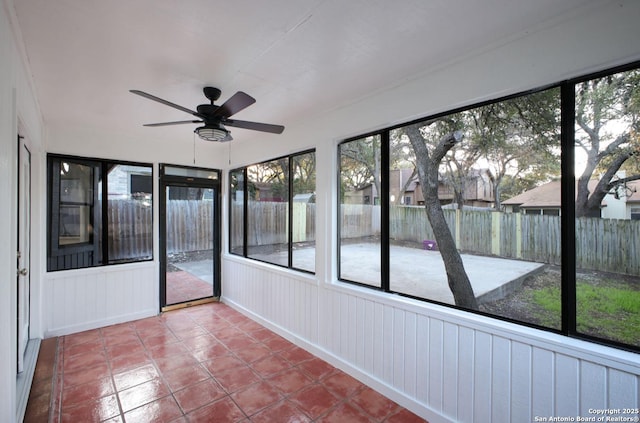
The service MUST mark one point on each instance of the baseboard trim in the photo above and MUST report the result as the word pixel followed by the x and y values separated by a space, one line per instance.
pixel 95 324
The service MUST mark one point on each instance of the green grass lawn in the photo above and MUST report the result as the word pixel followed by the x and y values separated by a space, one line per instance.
pixel 606 309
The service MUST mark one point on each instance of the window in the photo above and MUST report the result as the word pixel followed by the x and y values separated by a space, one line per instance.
pixel 272 211
pixel 564 259
pixel 268 216
pixel 303 211
pixel 100 212
pixel 359 218
pixel 237 211
pixel 129 213
pixel 607 113
pixel 75 208
pixel 141 184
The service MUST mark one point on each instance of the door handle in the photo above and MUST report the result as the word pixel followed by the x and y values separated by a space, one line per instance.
pixel 23 272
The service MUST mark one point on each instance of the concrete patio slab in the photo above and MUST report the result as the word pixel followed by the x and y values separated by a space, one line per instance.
pixel 421 273
pixel 202 269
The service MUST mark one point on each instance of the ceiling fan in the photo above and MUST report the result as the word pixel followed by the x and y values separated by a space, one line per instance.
pixel 216 117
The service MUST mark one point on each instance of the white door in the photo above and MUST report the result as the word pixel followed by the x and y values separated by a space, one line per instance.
pixel 24 249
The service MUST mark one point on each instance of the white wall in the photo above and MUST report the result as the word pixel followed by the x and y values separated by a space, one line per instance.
pixel 16 104
pixel 616 208
pixel 89 298
pixel 86 299
pixel 442 363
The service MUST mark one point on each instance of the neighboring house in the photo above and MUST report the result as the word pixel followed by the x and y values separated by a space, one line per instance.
pixel 366 195
pixel 632 200
pixel 405 190
pixel 402 187
pixel 478 189
pixel 264 191
pixel 545 200
pixel 126 181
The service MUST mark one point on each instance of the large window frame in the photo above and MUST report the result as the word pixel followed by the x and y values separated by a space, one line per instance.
pixel 567 211
pixel 239 198
pixel 90 213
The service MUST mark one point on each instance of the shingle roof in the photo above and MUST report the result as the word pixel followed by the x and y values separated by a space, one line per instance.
pixel 547 195
pixel 635 196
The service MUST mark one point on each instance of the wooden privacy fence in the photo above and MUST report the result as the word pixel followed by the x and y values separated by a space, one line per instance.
pixel 610 245
pixel 189 225
pixel 130 229
pixel 268 223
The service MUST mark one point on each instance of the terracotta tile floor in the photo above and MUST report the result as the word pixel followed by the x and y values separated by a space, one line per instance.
pixel 183 286
pixel 40 394
pixel 204 364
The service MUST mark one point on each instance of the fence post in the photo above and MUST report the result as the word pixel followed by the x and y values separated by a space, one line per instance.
pixel 518 235
pixel 299 228
pixel 458 229
pixel 495 233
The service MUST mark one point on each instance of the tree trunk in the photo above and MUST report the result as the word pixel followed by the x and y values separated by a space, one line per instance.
pixel 457 278
pixel 427 167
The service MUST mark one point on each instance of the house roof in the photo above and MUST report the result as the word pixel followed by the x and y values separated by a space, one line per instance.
pixel 635 192
pixel 546 195
pixel 405 174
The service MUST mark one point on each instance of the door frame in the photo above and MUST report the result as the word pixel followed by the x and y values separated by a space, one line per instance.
pixel 190 182
pixel 23 258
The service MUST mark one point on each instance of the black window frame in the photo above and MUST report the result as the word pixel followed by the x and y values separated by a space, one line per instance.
pixel 290 180
pixel 99 237
pixel 567 209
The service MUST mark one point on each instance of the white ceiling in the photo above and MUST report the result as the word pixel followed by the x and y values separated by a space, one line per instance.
pixel 298 58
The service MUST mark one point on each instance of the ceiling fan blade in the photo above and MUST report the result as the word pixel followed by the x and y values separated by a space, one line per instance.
pixel 179 122
pixel 234 104
pixel 165 102
pixel 256 126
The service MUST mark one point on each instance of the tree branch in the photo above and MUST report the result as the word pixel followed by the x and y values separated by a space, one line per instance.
pixel 614 145
pixel 590 132
pixel 445 144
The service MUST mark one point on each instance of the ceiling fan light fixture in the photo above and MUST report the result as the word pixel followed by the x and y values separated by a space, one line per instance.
pixel 212 132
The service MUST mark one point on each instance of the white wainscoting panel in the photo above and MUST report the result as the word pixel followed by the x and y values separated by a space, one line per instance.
pixel 83 299
pixel 443 364
pixel 286 301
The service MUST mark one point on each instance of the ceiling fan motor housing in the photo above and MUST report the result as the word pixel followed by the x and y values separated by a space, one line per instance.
pixel 207 109
pixel 212 93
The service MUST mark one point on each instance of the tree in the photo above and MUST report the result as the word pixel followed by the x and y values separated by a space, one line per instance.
pixel 272 175
pixel 608 119
pixel 304 173
pixel 517 138
pixel 457 162
pixel 401 159
pixel 428 163
pixel 458 167
pixel 361 164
